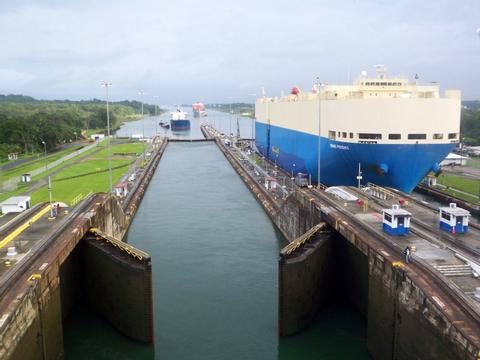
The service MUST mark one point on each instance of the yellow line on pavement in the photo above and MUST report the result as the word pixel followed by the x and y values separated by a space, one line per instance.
pixel 24 226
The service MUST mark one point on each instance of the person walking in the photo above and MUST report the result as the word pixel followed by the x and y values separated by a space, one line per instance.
pixel 408 253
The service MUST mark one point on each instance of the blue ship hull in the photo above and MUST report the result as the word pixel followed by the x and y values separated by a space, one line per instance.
pixel 176 125
pixel 400 166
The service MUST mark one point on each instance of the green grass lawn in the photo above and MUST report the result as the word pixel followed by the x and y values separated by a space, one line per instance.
pixel 25 168
pixel 65 189
pixel 474 162
pixel 76 179
pixel 128 148
pixel 469 198
pixel 468 185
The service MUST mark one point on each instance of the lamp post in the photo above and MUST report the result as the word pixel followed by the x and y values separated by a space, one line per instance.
pixel 319 88
pixel 156 113
pixel 141 93
pixel 45 154
pixel 230 112
pixel 106 85
pixel 50 196
pixel 49 180
pixel 253 120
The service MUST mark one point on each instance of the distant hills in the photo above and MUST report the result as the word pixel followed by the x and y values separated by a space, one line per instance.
pixel 137 105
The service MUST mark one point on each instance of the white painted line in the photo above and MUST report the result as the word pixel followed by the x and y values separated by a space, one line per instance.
pixel 44 265
pixel 3 319
pixel 385 253
pixel 439 303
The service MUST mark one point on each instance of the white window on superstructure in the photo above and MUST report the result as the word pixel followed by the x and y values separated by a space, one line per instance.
pixel 369 136
pixel 394 136
pixel 417 136
pixel 452 135
pixel 438 136
pixel 331 135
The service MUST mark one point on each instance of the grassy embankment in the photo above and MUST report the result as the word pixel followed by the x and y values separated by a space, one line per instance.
pixel 128 118
pixel 469 188
pixel 474 162
pixel 28 166
pixel 90 174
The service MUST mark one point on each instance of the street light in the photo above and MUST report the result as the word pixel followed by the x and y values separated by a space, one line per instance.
pixel 156 120
pixel 230 117
pixel 106 85
pixel 319 88
pixel 45 154
pixel 141 93
pixel 49 180
pixel 253 119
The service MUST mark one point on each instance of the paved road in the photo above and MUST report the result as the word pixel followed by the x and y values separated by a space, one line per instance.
pixel 18 162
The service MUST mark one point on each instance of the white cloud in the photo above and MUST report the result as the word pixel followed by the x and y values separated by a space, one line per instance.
pixel 185 50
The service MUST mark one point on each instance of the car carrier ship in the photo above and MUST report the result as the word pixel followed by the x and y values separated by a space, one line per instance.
pixel 198 109
pixel 381 129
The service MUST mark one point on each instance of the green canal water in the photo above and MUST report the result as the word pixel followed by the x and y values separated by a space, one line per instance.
pixel 214 254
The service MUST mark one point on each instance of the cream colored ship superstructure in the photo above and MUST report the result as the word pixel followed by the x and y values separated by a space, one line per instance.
pixel 394 130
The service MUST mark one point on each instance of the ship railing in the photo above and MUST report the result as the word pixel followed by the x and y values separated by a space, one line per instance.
pixel 380 192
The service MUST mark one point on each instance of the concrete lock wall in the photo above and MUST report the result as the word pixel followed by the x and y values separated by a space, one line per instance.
pixel 351 273
pixel 305 284
pixel 38 323
pixel 402 322
pixel 127 304
pixel 31 324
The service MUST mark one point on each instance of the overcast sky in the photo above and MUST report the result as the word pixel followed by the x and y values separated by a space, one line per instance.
pixel 186 50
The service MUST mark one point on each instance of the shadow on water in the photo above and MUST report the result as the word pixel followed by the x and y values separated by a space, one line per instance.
pixel 338 332
pixel 88 337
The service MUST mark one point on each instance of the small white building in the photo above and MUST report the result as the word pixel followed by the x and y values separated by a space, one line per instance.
pixel 396 221
pixel 121 189
pixel 454 219
pixel 97 137
pixel 15 204
pixel 453 159
pixel 26 178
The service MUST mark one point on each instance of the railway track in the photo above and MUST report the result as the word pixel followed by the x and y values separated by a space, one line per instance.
pixel 9 279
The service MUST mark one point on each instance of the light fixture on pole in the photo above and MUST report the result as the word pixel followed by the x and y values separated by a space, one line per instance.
pixel 141 93
pixel 50 196
pixel 253 120
pixel 319 86
pixel 106 85
pixel 45 153
pixel 230 117
pixel 156 113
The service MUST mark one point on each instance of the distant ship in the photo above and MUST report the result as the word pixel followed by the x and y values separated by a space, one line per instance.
pixel 179 120
pixel 381 129
pixel 198 109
